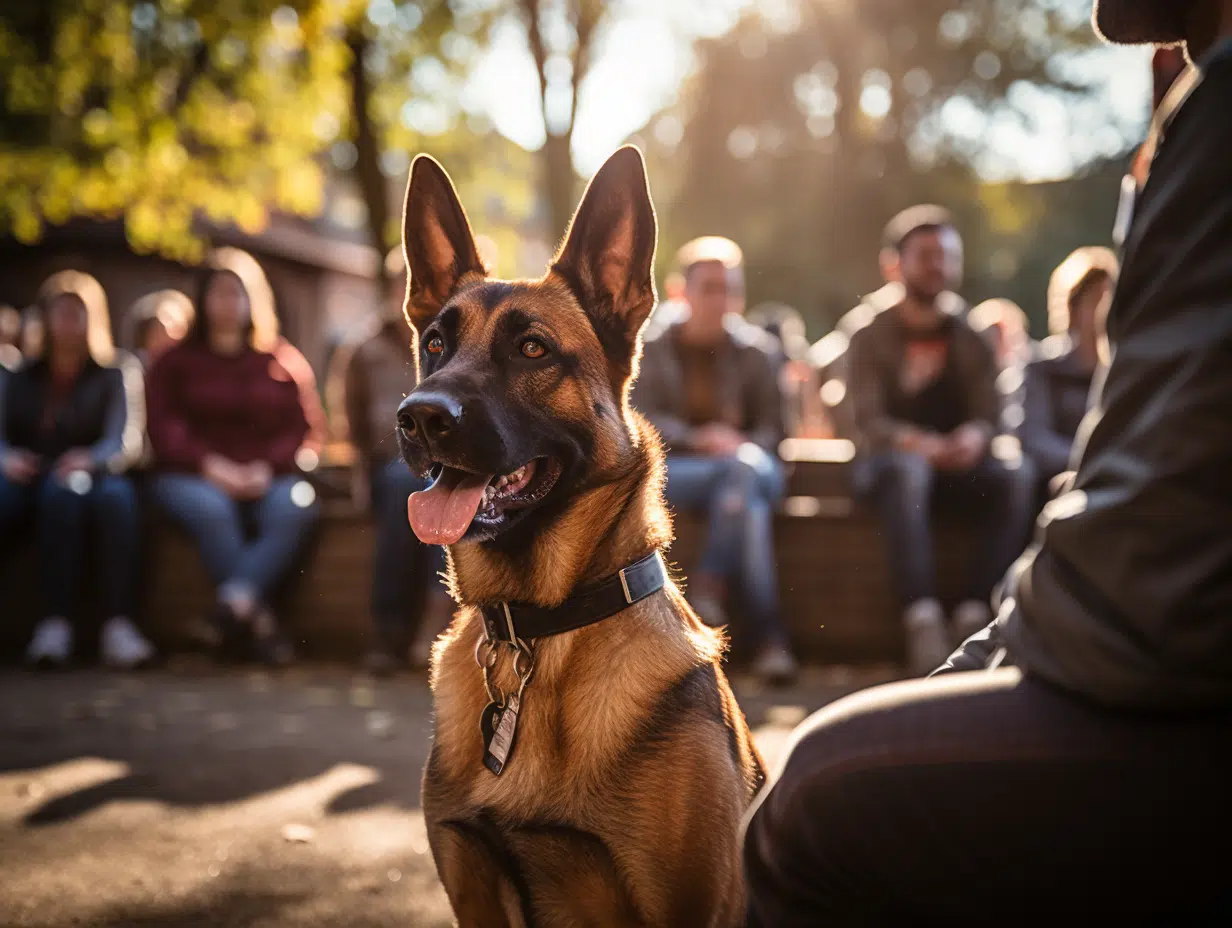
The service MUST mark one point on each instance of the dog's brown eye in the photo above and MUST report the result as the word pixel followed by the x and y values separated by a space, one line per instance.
pixel 436 345
pixel 533 349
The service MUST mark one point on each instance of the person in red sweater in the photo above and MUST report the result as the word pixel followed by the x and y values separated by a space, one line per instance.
pixel 227 425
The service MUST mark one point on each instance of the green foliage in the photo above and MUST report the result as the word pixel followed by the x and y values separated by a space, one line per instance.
pixel 171 112
pixel 164 112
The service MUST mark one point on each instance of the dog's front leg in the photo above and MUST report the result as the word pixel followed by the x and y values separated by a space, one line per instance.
pixel 481 891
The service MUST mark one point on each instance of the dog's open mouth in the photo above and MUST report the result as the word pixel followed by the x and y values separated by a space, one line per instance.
pixel 458 499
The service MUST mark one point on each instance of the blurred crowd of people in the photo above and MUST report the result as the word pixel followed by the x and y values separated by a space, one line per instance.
pixel 945 406
pixel 208 415
pixel 213 419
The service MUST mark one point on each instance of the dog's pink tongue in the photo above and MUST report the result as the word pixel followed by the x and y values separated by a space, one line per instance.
pixel 441 514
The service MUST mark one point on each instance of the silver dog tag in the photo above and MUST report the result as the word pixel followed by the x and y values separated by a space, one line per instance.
pixel 500 726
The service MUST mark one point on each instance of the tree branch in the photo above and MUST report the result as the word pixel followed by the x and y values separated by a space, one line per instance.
pixel 534 34
pixel 585 23
pixel 367 170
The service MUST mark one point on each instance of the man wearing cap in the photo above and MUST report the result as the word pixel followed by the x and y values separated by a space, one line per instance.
pixel 709 385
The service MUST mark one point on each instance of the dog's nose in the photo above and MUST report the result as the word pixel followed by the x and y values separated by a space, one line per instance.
pixel 429 415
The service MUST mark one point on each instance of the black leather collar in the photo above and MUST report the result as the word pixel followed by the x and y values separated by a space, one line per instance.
pixel 510 621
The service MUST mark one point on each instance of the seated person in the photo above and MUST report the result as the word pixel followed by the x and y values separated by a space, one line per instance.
pixel 1058 380
pixel 924 408
pixel 69 428
pixel 158 321
pixel 1005 326
pixel 227 423
pixel 803 414
pixel 379 373
pixel 707 383
pixel 829 354
pixel 1087 785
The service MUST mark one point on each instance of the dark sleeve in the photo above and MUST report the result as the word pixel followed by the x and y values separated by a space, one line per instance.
pixel 124 419
pixel 865 400
pixel 1048 448
pixel 305 430
pixel 983 397
pixel 171 434
pixel 979 652
pixel 766 402
pixel 648 399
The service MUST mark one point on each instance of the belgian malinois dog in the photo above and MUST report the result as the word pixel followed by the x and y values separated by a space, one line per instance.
pixel 590 765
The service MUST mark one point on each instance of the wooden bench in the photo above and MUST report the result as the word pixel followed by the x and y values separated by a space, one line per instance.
pixel 831 555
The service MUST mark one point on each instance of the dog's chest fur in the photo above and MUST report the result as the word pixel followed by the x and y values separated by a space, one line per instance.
pixel 591 692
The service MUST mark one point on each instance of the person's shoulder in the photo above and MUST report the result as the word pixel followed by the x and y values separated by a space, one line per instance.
pixel 365 336
pixel 28 370
pixel 873 326
pixel 657 336
pixel 1200 121
pixel 1053 350
pixel 961 328
pixel 1217 65
pixel 179 354
pixel 751 339
pixel 828 349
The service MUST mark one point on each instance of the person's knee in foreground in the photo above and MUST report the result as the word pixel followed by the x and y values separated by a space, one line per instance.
pixel 709 384
pixel 924 405
pixel 1087 783
pixel 379 373
pixel 68 431
pixel 229 424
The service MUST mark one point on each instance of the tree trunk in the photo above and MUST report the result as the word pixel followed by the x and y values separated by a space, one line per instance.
pixel 558 182
pixel 367 170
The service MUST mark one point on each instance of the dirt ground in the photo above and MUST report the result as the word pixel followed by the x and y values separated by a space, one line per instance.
pixel 198 797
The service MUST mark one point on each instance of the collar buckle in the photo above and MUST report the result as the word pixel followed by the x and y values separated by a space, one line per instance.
pixel 513 635
pixel 624 585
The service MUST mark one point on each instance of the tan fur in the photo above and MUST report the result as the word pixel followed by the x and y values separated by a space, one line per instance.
pixel 590 823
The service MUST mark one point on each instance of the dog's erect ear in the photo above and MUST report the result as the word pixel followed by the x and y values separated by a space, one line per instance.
pixel 436 239
pixel 608 255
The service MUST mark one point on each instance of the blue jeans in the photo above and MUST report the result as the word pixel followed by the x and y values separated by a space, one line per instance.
pixel 737 494
pixel 904 487
pixel 64 521
pixel 282 521
pixel 402 567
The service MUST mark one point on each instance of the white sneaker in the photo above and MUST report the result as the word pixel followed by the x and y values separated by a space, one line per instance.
pixel 970 617
pixel 124 648
pixel 52 643
pixel 928 641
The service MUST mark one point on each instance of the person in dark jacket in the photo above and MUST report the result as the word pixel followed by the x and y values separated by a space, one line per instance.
pixel 922 388
pixel 379 372
pixel 228 423
pixel 708 384
pixel 1089 783
pixel 70 425
pixel 1058 379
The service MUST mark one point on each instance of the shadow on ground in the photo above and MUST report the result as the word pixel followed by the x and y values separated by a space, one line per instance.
pixel 194 796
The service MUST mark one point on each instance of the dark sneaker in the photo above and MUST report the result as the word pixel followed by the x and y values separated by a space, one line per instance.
pixel 233 638
pixel 271 645
pixel 776 665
